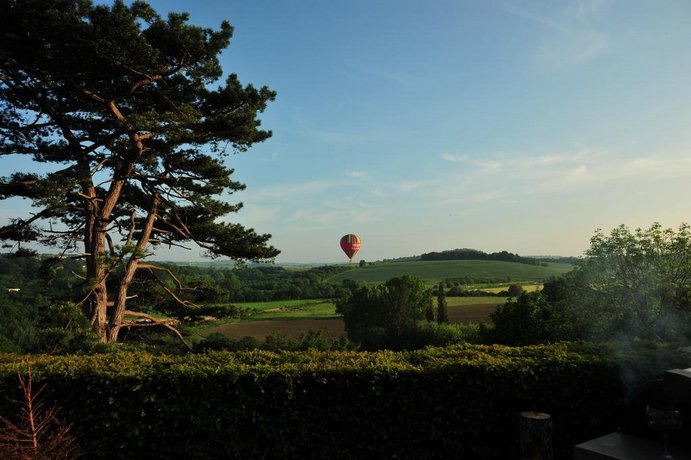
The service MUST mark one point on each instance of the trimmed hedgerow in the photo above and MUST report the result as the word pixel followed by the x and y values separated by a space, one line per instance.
pixel 456 402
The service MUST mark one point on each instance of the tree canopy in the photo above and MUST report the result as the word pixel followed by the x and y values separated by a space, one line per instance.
pixel 119 105
pixel 373 314
pixel 635 283
pixel 631 284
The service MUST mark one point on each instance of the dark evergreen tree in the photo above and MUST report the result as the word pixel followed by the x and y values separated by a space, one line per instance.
pixel 121 103
pixel 442 310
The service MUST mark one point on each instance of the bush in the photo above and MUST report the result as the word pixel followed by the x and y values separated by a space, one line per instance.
pixel 310 340
pixel 218 341
pixel 456 402
pixel 436 334
pixel 528 320
pixel 515 290
pixel 373 316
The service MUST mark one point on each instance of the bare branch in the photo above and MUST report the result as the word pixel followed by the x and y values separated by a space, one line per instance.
pixel 111 247
pixel 156 321
pixel 93 95
pixel 173 295
pixel 130 234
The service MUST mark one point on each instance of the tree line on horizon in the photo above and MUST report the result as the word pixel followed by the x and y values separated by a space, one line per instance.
pixel 501 256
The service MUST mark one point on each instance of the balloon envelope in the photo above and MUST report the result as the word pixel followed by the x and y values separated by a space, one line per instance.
pixel 350 244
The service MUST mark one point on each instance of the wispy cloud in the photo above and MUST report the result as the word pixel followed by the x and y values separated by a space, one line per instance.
pixel 586 10
pixel 311 127
pixel 257 214
pixel 332 213
pixel 487 196
pixel 411 186
pixel 498 162
pixel 284 191
pixel 361 175
pixel 336 137
pixel 560 171
pixel 482 165
pixel 376 71
pixel 570 37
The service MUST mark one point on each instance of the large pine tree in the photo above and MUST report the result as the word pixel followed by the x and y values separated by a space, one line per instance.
pixel 125 111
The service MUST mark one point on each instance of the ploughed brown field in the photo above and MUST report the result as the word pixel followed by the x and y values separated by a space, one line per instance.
pixel 332 327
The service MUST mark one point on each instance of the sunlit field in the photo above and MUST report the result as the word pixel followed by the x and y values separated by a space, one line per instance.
pixel 465 271
pixel 293 317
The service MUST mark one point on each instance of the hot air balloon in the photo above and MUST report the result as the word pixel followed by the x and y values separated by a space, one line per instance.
pixel 350 244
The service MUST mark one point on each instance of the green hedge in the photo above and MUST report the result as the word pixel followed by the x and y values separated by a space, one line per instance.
pixel 456 402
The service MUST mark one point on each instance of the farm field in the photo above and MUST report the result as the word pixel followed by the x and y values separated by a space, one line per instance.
pixel 290 309
pixel 526 288
pixel 432 272
pixel 287 317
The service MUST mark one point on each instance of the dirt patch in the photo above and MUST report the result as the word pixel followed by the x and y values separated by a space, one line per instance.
pixel 332 327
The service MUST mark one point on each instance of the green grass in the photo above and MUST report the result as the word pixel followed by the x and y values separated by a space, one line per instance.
pixel 504 287
pixel 293 323
pixel 467 301
pixel 287 309
pixel 267 311
pixel 432 272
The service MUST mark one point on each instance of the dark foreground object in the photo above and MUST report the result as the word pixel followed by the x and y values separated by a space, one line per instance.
pixel 536 436
pixel 460 402
pixel 622 446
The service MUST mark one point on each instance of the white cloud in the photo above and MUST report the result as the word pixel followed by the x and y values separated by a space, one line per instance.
pixel 411 186
pixel 256 213
pixel 481 197
pixel 657 168
pixel 483 165
pixel 362 175
pixel 478 179
pixel 295 189
pixel 330 216
pixel 570 38
pixel 586 10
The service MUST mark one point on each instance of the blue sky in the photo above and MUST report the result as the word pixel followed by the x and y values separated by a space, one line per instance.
pixel 425 126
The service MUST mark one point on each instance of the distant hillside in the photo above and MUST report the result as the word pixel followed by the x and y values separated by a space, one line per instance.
pixel 474 254
pixel 456 271
pixel 558 259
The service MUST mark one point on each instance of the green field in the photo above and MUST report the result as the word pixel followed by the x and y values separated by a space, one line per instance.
pixel 288 309
pixel 432 272
pixel 294 317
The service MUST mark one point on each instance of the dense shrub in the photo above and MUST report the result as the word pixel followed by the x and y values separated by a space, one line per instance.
pixel 374 315
pixel 425 334
pixel 527 320
pixel 309 340
pixel 456 402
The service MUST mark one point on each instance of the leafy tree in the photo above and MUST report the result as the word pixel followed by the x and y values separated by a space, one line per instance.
pixel 61 328
pixel 373 316
pixel 120 103
pixel 442 311
pixel 527 320
pixel 515 290
pixel 633 284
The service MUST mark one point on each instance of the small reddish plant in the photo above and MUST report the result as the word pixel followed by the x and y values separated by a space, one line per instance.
pixel 37 434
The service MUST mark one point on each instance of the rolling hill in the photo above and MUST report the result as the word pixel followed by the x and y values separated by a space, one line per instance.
pixel 464 271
